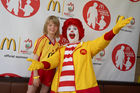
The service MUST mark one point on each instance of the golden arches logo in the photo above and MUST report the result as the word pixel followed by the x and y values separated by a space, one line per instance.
pixel 54 5
pixel 8 43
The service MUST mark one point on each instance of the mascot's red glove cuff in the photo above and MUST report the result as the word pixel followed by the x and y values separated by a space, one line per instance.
pixel 109 35
pixel 46 64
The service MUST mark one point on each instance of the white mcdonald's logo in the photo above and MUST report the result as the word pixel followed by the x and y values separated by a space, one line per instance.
pixel 54 5
pixel 8 43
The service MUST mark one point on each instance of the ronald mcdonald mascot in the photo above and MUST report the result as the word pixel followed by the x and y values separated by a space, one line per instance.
pixel 73 60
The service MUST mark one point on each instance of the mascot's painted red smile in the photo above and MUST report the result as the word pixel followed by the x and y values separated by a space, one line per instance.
pixel 72 35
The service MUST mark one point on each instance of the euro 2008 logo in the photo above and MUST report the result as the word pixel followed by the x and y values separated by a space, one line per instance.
pixel 21 8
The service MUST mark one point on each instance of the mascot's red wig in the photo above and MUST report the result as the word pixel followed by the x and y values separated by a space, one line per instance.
pixel 77 23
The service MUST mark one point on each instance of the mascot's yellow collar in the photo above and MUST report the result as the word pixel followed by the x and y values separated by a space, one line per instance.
pixel 78 46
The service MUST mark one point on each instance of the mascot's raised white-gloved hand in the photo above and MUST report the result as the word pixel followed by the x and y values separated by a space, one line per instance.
pixel 35 65
pixel 121 23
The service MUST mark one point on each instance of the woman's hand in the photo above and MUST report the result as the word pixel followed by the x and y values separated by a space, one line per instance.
pixel 36 82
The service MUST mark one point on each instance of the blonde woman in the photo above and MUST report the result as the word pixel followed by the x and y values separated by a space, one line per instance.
pixel 45 46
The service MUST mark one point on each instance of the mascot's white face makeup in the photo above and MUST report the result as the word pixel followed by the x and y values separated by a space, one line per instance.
pixel 72 34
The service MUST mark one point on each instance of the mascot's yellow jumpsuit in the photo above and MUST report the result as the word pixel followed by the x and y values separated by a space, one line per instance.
pixel 85 80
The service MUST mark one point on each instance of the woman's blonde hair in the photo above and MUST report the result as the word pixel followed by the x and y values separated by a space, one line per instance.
pixel 55 20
